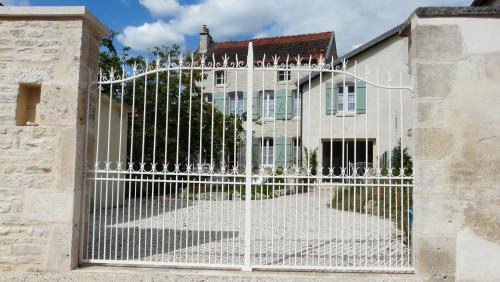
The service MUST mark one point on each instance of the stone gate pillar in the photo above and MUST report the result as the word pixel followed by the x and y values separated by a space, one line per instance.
pixel 46 54
pixel 455 60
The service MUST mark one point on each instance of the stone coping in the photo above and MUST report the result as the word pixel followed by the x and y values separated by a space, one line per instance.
pixel 53 13
pixel 448 12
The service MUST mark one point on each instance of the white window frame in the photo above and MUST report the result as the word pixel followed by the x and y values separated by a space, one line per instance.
pixel 220 77
pixel 268 110
pixel 343 99
pixel 297 104
pixel 232 103
pixel 268 151
pixel 284 75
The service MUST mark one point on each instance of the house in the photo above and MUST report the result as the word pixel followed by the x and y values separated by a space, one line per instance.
pixel 276 105
pixel 340 119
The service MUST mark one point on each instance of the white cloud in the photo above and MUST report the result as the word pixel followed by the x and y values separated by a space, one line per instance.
pixel 353 21
pixel 161 7
pixel 149 35
pixel 16 2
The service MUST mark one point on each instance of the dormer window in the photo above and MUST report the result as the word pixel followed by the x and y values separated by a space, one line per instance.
pixel 220 77
pixel 284 75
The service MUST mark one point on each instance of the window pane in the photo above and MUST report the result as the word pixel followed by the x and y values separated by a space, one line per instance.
pixel 269 104
pixel 341 101
pixel 351 88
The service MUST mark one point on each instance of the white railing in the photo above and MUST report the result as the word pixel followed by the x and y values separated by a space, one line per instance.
pixel 166 184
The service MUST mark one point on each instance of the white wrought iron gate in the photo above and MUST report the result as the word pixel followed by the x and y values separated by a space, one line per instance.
pixel 272 163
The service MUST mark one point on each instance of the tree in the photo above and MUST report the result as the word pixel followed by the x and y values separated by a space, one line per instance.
pixel 150 137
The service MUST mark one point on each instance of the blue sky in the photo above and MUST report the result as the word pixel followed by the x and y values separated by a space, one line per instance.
pixel 147 23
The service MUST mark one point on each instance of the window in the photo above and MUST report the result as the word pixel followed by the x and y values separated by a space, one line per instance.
pixel 207 97
pixel 220 77
pixel 296 104
pixel 268 103
pixel 236 103
pixel 284 75
pixel 267 156
pixel 349 96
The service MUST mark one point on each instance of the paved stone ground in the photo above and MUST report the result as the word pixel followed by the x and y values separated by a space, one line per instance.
pixel 287 231
pixel 121 274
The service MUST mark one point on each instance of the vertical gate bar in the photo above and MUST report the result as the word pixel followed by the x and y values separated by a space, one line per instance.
pixel 165 168
pixel 378 170
pixel 235 159
pixel 119 164
pixel 179 89
pixel 153 164
pixel 401 170
pixel 262 155
pixel 366 175
pixel 200 160
pixel 355 160
pixel 320 172
pixel 297 64
pixel 85 169
pixel 389 119
pixel 308 173
pixel 285 166
pixel 248 185
pixel 131 165
pixel 189 167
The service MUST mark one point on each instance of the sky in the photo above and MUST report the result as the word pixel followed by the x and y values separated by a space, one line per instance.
pixel 144 24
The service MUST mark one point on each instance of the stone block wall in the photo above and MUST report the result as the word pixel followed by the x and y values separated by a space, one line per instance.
pixel 455 59
pixel 41 166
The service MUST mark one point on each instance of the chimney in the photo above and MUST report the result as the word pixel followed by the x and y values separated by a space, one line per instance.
pixel 205 40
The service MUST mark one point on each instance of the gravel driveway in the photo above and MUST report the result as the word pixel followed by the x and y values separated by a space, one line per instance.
pixel 291 230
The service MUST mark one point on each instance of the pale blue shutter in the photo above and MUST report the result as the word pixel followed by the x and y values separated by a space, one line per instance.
pixel 279 147
pixel 289 152
pixel 218 100
pixel 361 97
pixel 289 104
pixel 255 151
pixel 280 103
pixel 255 106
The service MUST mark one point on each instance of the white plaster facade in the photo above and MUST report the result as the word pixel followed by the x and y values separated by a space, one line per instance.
pixel 381 127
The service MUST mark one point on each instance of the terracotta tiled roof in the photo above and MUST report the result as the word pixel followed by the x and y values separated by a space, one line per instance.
pixel 293 45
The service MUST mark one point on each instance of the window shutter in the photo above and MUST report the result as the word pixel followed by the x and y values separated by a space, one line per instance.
pixel 279 148
pixel 244 102
pixel 335 98
pixel 218 100
pixel 280 104
pixel 289 106
pixel 255 151
pixel 289 152
pixel 255 106
pixel 361 97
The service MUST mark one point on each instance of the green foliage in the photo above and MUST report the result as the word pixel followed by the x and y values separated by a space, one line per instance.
pixel 396 161
pixel 313 160
pixel 184 111
pixel 386 201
